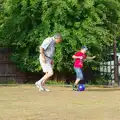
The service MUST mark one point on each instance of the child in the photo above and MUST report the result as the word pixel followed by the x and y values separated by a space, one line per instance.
pixel 79 57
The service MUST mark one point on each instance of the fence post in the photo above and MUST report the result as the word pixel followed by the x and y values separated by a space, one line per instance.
pixel 115 63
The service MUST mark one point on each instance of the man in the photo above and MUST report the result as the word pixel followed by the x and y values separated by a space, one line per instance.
pixel 47 50
pixel 79 58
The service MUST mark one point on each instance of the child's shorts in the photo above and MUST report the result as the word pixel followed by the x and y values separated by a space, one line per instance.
pixel 79 73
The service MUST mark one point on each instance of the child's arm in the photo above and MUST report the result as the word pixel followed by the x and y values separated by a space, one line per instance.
pixel 90 58
pixel 76 57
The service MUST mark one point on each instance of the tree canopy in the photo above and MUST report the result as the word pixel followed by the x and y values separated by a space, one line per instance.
pixel 24 24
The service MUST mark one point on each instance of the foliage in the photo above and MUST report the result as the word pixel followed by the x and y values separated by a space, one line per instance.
pixel 24 24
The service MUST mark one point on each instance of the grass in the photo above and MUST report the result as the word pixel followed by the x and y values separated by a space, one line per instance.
pixel 54 82
pixel 8 82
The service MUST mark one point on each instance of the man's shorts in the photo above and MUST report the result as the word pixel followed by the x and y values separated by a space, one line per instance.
pixel 79 73
pixel 46 67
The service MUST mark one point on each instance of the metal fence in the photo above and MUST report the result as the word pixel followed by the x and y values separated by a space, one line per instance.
pixel 110 69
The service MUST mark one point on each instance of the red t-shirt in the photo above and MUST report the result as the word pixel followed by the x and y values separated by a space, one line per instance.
pixel 79 62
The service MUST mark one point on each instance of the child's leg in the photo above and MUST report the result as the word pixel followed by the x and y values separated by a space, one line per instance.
pixel 77 71
pixel 76 82
pixel 79 76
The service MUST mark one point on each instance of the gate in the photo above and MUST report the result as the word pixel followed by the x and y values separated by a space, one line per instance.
pixel 110 65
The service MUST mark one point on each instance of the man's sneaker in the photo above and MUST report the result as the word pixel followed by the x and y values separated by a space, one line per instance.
pixel 47 90
pixel 37 85
pixel 40 86
pixel 41 89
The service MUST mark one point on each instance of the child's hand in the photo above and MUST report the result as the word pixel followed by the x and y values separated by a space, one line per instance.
pixel 80 57
pixel 93 57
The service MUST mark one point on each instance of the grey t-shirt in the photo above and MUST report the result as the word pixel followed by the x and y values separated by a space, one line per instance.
pixel 49 47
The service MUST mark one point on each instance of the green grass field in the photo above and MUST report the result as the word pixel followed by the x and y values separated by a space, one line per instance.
pixel 25 102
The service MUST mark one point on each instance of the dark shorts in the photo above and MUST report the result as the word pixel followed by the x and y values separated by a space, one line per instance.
pixel 79 73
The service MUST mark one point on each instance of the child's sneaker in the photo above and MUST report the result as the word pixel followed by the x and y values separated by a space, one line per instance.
pixel 75 88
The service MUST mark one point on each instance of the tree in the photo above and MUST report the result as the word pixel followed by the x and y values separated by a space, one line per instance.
pixel 88 22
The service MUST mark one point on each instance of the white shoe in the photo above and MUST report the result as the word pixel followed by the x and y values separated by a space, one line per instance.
pixel 40 86
pixel 37 85
pixel 47 90
pixel 41 89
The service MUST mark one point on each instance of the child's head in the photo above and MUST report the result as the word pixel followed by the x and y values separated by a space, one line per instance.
pixel 84 49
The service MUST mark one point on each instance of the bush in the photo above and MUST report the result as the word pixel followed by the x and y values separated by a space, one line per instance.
pixel 24 24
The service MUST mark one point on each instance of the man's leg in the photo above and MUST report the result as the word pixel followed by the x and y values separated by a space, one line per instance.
pixel 44 68
pixel 47 68
pixel 45 78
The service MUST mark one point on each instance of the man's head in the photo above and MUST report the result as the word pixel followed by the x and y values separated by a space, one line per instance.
pixel 84 49
pixel 58 38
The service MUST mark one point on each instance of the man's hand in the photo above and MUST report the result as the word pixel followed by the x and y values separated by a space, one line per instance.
pixel 52 62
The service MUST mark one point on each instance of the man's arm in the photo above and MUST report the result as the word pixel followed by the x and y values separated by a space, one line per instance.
pixel 42 54
pixel 43 47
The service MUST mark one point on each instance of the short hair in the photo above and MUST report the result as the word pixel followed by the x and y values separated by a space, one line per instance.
pixel 84 47
pixel 58 36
